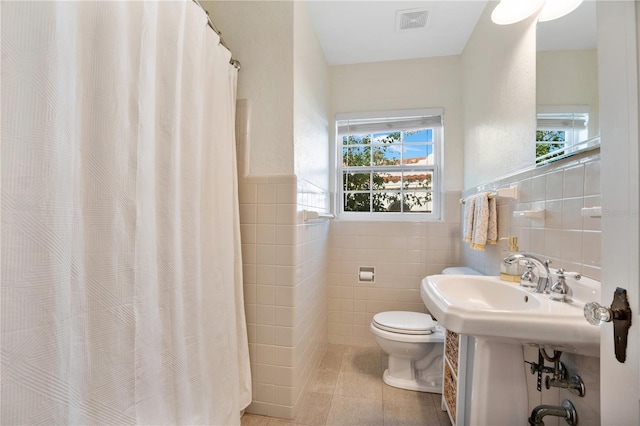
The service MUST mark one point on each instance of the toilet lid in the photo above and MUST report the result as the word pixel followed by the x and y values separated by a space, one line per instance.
pixel 405 322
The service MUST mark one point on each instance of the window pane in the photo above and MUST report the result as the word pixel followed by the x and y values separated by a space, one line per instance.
pixel 421 154
pixel 387 149
pixel 418 180
pixel 356 156
pixel 387 181
pixel 356 202
pixel 356 140
pixel 384 202
pixel 418 202
pixel 424 135
pixel 387 155
pixel 356 181
pixel 549 141
pixel 550 135
pixel 386 138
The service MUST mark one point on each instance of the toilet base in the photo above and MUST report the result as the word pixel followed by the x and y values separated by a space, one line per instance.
pixel 414 384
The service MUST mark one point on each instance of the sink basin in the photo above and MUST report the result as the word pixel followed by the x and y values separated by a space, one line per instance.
pixel 487 307
pixel 474 293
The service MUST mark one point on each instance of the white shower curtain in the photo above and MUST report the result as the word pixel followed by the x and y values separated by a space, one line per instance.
pixel 121 268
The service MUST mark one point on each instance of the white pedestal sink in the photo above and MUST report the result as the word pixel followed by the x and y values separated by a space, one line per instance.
pixel 502 317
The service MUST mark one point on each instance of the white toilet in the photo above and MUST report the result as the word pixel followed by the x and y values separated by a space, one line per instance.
pixel 415 344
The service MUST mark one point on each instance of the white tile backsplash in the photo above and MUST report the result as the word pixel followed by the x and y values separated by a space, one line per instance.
pixel 538 188
pixel 592 178
pixel 554 184
pixel 573 185
pixel 525 191
pixel 553 214
pixel 591 248
pixel 538 240
pixel 572 214
pixel 571 246
pixel 563 199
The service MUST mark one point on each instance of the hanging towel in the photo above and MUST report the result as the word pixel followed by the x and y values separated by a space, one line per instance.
pixel 485 228
pixel 492 231
pixel 467 224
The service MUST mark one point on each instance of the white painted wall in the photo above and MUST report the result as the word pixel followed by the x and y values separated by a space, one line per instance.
pixel 498 77
pixel 260 35
pixel 569 77
pixel 310 101
pixel 407 84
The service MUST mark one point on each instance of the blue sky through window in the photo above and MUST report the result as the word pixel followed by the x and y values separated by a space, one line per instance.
pixel 424 135
pixel 417 144
pixel 417 151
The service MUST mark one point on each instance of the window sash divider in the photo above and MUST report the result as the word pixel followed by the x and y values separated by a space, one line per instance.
pixel 389 169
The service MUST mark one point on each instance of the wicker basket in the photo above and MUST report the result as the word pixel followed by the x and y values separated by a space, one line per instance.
pixel 451 349
pixel 449 391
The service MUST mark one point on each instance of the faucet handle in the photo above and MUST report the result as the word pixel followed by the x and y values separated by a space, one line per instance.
pixel 562 274
pixel 560 290
pixel 529 278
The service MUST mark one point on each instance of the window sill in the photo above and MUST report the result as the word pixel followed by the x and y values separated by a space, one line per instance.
pixel 388 217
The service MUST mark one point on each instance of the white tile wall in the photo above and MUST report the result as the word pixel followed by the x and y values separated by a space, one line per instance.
pixel 568 239
pixel 285 281
pixel 402 253
pixel 564 236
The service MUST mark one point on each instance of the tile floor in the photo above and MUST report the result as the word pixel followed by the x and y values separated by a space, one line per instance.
pixel 347 389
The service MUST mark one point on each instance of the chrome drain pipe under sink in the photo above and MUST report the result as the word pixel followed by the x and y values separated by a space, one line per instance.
pixel 567 411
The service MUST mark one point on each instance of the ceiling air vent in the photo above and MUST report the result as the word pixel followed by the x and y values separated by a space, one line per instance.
pixel 412 19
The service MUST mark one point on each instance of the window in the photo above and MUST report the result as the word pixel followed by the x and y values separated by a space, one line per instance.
pixel 559 131
pixel 389 164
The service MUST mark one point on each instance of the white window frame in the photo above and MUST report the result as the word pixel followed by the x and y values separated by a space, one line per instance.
pixel 435 169
pixel 572 119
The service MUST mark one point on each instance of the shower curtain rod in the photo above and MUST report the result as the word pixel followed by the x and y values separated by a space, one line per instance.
pixel 234 62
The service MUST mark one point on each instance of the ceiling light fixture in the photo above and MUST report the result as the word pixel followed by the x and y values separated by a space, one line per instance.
pixel 554 9
pixel 511 11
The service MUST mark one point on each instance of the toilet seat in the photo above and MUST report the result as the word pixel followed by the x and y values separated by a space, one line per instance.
pixel 402 322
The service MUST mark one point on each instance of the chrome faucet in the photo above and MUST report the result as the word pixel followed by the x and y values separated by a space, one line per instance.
pixel 541 266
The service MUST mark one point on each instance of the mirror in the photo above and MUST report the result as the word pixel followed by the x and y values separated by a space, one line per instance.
pixel 567 85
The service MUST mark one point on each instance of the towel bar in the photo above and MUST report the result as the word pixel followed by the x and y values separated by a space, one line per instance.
pixel 511 192
pixel 310 215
